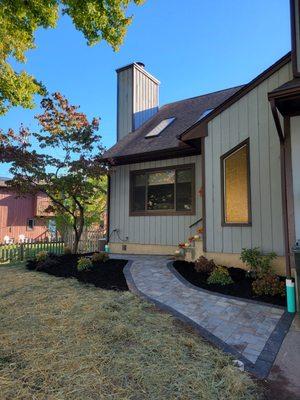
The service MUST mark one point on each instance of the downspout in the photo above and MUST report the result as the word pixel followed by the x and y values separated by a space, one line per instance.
pixel 283 183
pixel 108 207
pixel 203 193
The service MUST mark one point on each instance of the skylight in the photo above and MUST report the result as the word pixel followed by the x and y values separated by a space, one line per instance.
pixel 160 127
pixel 204 114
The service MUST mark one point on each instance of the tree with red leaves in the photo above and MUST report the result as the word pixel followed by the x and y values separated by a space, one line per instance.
pixel 67 165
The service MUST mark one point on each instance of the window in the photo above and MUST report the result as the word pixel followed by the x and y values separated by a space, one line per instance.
pixel 30 224
pixel 166 191
pixel 160 127
pixel 161 190
pixel 235 171
pixel 204 114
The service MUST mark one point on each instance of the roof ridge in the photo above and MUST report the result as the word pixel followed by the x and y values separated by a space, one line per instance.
pixel 203 95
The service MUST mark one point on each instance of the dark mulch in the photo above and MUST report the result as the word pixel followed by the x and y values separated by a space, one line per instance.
pixel 106 275
pixel 242 286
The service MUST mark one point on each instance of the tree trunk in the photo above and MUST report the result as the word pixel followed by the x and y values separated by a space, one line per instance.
pixel 76 242
pixel 78 231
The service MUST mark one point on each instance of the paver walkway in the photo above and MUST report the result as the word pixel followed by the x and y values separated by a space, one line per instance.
pixel 252 331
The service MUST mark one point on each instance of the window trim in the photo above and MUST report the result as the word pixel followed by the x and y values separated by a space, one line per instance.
pixel 161 212
pixel 222 158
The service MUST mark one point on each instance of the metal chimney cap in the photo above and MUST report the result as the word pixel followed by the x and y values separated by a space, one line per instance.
pixel 139 63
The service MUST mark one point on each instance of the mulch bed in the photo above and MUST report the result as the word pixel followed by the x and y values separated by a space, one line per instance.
pixel 106 275
pixel 242 286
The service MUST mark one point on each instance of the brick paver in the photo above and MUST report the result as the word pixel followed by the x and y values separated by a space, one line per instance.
pixel 243 325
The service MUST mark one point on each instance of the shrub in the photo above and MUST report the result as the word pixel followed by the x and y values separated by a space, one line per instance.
pixel 84 264
pixel 204 265
pixel 100 257
pixel 67 250
pixel 260 264
pixel 49 264
pixel 42 256
pixel 269 284
pixel 31 264
pixel 266 281
pixel 220 276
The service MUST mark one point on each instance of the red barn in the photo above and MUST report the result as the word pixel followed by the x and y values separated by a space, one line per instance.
pixel 22 218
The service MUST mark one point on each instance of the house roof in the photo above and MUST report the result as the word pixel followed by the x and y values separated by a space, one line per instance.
pixel 196 129
pixel 186 113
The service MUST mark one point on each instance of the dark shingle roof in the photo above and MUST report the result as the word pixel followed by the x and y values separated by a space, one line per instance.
pixel 186 112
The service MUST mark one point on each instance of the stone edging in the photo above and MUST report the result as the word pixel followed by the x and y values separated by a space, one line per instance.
pixel 265 360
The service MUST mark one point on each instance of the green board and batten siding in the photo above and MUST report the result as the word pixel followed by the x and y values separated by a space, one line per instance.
pixel 160 230
pixel 145 97
pixel 125 103
pixel 138 97
pixel 248 117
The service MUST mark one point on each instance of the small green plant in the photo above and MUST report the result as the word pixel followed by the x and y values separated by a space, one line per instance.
pixel 220 276
pixel 67 250
pixel 100 257
pixel 42 256
pixel 259 263
pixel 266 281
pixel 203 265
pixel 269 285
pixel 84 264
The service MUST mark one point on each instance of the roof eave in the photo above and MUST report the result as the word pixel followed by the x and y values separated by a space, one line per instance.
pixel 276 94
pixel 286 100
pixel 180 151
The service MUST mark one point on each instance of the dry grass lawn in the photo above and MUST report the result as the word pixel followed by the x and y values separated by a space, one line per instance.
pixel 62 340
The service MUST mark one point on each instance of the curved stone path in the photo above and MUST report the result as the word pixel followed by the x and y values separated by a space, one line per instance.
pixel 251 331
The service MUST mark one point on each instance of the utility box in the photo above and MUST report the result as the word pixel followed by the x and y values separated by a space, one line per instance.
pixel 296 251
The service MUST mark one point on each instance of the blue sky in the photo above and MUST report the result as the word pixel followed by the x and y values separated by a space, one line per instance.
pixel 192 47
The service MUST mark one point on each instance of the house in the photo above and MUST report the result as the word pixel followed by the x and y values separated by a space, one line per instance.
pixel 226 161
pixel 22 218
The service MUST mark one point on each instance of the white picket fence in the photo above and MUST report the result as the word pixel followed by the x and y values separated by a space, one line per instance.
pixel 91 241
pixel 25 250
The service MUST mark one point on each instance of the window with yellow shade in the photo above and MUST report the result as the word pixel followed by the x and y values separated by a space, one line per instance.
pixel 236 186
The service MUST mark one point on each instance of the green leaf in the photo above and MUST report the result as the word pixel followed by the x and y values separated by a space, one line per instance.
pixel 19 20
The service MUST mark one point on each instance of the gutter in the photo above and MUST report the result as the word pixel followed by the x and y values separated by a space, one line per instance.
pixel 183 150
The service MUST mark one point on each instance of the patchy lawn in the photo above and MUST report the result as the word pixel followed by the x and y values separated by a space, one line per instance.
pixel 64 340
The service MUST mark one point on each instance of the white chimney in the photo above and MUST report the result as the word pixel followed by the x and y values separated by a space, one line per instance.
pixel 137 98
